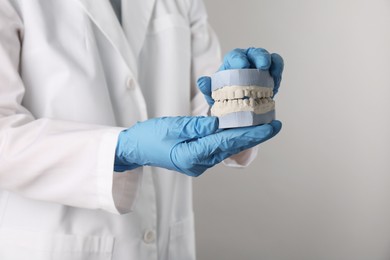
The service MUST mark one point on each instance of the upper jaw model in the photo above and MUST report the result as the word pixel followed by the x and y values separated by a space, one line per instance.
pixel 242 97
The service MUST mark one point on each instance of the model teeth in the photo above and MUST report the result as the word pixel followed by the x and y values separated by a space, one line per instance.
pixel 236 92
pixel 231 99
pixel 258 106
pixel 239 93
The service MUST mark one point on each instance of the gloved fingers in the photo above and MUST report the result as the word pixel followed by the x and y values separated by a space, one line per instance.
pixel 204 85
pixel 259 58
pixel 276 70
pixel 191 127
pixel 236 139
pixel 184 157
pixel 235 59
pixel 221 153
pixel 196 156
pixel 277 126
pixel 219 157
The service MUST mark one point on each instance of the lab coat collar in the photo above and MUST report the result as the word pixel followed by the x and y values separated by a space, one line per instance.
pixel 135 19
pixel 136 15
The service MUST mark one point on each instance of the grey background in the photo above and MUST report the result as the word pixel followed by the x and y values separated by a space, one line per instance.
pixel 321 188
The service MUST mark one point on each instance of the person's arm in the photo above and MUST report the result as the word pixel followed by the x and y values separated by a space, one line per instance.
pixel 51 160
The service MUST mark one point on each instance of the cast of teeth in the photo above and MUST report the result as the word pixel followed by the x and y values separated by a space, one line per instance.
pixel 231 99
pixel 235 92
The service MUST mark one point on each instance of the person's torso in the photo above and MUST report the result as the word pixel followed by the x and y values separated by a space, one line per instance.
pixel 73 69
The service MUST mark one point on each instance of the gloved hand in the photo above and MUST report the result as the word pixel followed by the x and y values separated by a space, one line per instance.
pixel 189 145
pixel 256 58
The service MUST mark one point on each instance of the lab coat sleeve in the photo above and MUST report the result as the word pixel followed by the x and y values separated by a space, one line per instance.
pixel 51 160
pixel 205 61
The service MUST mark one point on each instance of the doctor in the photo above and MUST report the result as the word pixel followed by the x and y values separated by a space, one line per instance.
pixel 75 78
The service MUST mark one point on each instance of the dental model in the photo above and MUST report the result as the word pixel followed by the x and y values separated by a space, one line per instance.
pixel 242 97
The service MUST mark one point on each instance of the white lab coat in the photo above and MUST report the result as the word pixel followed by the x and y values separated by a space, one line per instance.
pixel 71 78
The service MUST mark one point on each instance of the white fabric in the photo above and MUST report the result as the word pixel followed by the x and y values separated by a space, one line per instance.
pixel 70 80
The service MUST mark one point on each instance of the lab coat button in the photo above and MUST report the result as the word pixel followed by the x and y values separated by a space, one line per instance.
pixel 149 236
pixel 130 84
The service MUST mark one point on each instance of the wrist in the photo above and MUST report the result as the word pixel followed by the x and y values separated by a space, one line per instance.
pixel 120 162
pixel 121 166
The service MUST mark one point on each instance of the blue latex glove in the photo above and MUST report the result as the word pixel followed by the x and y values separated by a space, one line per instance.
pixel 256 58
pixel 189 145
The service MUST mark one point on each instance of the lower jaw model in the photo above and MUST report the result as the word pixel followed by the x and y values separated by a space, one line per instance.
pixel 242 97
